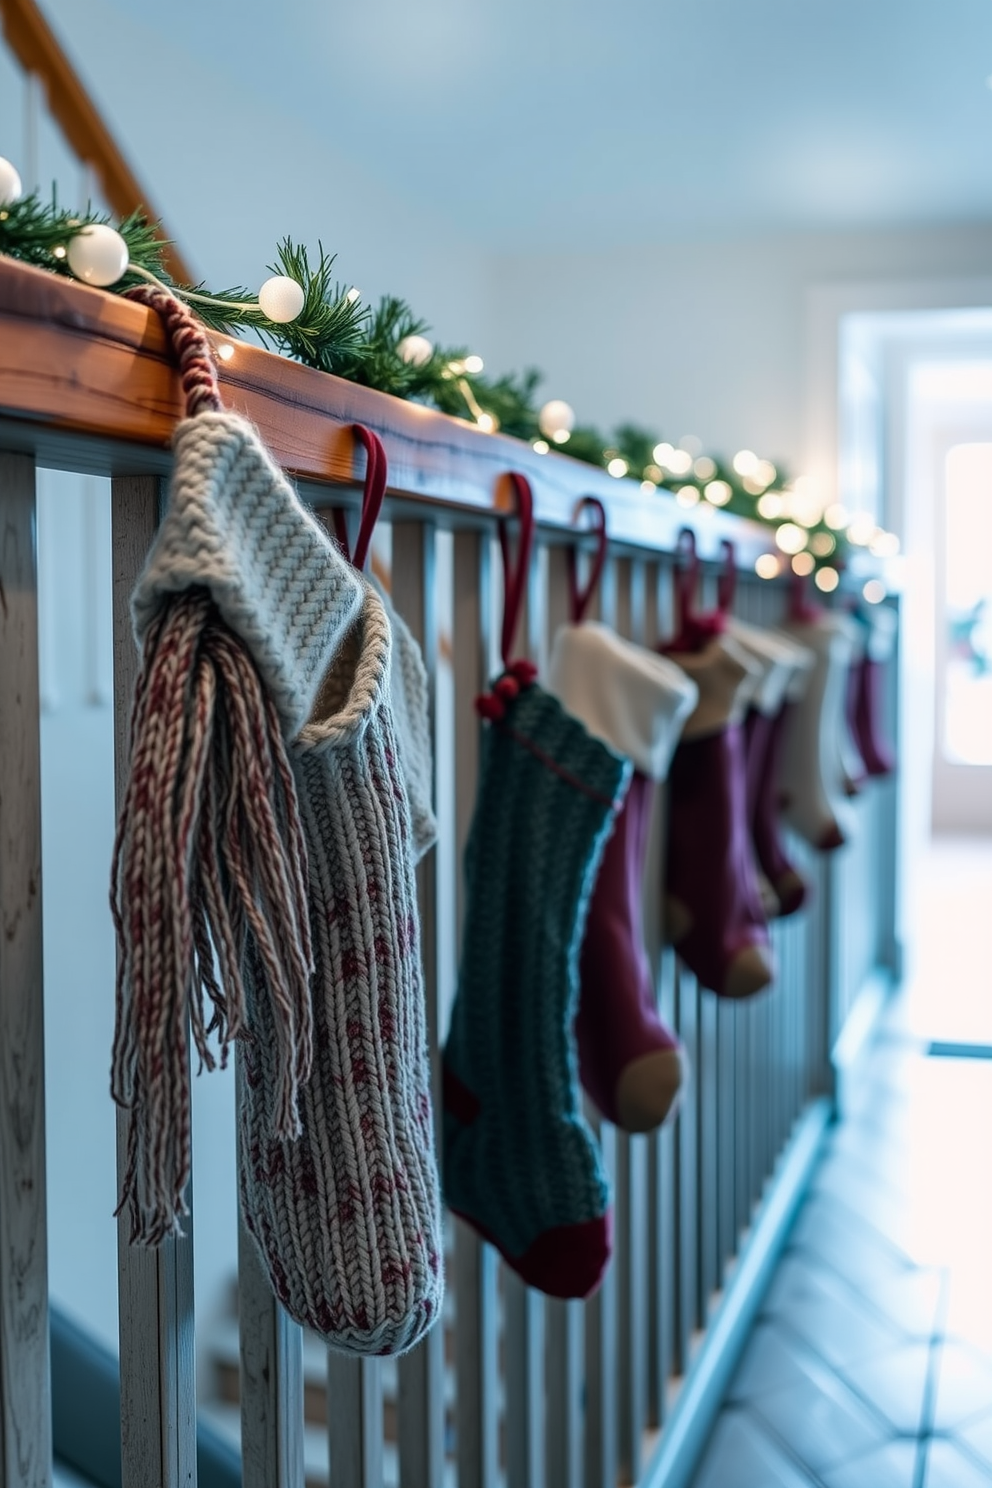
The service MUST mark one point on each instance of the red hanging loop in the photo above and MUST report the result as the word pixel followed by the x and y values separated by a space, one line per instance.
pixel 695 629
pixel 580 599
pixel 727 582
pixel 376 476
pixel 515 574
pixel 686 578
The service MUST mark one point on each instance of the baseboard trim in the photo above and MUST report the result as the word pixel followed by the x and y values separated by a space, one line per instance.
pixel 687 1430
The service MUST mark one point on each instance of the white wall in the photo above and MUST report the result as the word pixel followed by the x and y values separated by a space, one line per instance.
pixel 701 337
pixel 233 171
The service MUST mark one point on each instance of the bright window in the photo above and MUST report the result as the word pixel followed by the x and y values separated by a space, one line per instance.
pixel 968 605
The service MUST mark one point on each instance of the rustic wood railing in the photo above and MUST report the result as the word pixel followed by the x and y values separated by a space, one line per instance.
pixel 513 1388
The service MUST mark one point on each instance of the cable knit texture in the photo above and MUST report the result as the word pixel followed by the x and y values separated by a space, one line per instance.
pixel 409 694
pixel 236 527
pixel 520 1162
pixel 347 1218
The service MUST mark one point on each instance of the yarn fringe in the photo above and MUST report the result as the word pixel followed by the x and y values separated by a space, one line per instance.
pixel 209 854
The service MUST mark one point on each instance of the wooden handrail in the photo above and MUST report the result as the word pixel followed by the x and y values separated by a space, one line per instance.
pixel 36 47
pixel 76 361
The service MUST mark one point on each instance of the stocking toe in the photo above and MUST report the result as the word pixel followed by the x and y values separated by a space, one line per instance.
pixel 791 892
pixel 750 971
pixel 649 1088
pixel 678 920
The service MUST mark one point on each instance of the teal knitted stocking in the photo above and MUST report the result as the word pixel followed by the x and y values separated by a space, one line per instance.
pixel 520 1163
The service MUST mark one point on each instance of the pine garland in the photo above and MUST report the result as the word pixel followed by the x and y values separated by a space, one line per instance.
pixel 335 332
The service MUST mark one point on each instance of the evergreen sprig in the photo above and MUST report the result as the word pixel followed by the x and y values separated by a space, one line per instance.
pixel 335 332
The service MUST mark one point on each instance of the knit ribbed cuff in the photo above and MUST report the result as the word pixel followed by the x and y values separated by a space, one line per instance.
pixel 235 526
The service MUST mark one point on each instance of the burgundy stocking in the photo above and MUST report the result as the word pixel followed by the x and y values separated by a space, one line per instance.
pixel 714 911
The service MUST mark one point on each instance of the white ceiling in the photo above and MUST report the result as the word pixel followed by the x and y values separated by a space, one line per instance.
pixel 579 123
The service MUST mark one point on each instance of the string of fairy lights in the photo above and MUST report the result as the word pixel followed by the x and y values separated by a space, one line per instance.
pixel 303 313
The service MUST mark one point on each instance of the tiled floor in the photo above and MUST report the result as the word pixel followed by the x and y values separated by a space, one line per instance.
pixel 871 1366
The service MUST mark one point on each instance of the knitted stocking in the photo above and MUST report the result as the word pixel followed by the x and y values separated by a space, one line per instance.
pixel 520 1163
pixel 851 768
pixel 867 694
pixel 786 667
pixel 237 613
pixel 347 1217
pixel 812 780
pixel 630 1062
pixel 713 906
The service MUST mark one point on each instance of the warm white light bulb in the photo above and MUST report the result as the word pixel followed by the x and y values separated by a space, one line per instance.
pixel 680 462
pixel 790 538
pixel 486 423
pixel 561 436
pixel 97 255
pixel 648 487
pixel 827 579
pixel 10 184
pixel 874 591
pixel 617 467
pixel 803 564
pixel 704 468
pixel 474 364
pixel 353 294
pixel 745 462
pixel 884 544
pixel 225 351
pixel 691 444
pixel 663 453
pixel 718 492
pixel 770 506
pixel 764 473
pixel 687 495
pixel 835 515
pixel 767 566
pixel 556 417
pixel 861 529
pixel 416 351
pixel 540 446
pixel 822 544
pixel 281 299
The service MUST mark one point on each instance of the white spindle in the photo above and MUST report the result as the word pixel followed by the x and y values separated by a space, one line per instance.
pixel 158 1387
pixel 421 1372
pixel 25 1412
pixel 354 1421
pixel 271 1375
pixel 475 1269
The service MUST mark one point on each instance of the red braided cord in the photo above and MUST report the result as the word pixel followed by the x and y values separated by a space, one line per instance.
pixel 189 345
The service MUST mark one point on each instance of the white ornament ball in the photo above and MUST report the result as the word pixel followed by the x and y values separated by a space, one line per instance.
pixel 10 184
pixel 556 417
pixel 97 255
pixel 416 351
pixel 281 298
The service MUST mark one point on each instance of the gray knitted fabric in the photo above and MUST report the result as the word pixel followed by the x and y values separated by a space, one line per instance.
pixel 347 1218
pixel 408 695
pixel 236 527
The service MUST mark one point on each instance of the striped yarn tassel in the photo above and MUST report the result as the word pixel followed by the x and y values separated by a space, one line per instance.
pixel 209 850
